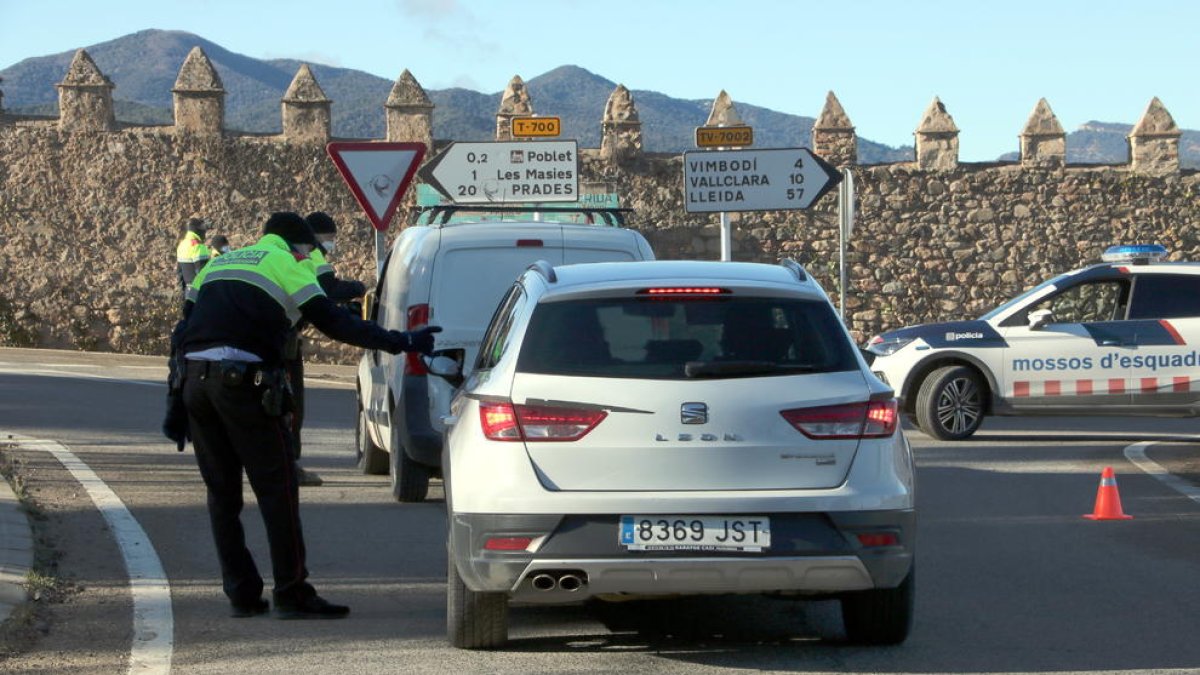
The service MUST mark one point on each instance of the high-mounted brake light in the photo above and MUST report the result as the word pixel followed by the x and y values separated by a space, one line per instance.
pixel 684 290
pixel 530 243
pixel 532 423
pixel 418 316
pixel 873 419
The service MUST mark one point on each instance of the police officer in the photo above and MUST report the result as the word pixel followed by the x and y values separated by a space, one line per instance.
pixel 236 317
pixel 191 254
pixel 218 245
pixel 337 290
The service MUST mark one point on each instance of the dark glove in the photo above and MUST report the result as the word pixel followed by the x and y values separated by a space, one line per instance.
pixel 420 340
pixel 175 424
pixel 356 289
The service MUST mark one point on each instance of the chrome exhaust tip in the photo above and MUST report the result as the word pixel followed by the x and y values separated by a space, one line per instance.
pixel 570 583
pixel 542 582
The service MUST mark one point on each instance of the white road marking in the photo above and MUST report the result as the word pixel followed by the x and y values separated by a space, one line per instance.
pixel 35 369
pixel 1136 453
pixel 153 622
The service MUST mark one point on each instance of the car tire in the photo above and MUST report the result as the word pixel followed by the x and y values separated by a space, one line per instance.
pixel 409 478
pixel 950 403
pixel 372 459
pixel 879 617
pixel 474 620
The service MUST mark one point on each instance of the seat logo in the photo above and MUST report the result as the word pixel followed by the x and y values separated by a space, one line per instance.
pixel 694 413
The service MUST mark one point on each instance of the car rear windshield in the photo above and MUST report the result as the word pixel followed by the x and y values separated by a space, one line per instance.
pixel 679 338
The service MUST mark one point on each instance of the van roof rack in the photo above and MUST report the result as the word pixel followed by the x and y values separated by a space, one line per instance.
pixel 442 213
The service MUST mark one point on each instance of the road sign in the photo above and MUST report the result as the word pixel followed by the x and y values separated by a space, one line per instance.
pixel 728 137
pixel 378 174
pixel 779 179
pixel 501 172
pixel 526 127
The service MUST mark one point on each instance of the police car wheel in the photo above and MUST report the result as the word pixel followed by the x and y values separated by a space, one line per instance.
pixel 950 403
pixel 371 459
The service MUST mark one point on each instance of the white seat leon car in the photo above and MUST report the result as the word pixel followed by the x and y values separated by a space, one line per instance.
pixel 661 428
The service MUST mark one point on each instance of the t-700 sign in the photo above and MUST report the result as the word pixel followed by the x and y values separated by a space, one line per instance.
pixel 519 171
pixel 778 179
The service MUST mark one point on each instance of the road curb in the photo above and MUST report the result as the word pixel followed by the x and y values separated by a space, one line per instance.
pixel 16 552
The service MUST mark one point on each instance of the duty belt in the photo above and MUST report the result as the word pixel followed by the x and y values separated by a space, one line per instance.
pixel 253 373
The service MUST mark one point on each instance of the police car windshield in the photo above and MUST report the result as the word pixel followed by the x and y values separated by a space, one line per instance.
pixel 1022 297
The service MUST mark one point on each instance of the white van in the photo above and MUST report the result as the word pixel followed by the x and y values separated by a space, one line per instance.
pixel 451 269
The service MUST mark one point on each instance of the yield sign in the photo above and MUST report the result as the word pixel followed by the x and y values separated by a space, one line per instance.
pixel 378 174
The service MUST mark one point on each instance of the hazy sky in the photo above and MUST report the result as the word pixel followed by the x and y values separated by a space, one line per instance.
pixel 988 60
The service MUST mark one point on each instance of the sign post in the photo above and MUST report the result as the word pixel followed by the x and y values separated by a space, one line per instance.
pixel 845 229
pixel 506 171
pixel 378 174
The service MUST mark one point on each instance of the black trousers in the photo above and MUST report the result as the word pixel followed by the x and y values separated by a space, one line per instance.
pixel 294 365
pixel 232 434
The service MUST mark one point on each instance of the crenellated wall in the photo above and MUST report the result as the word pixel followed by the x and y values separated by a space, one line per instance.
pixel 90 209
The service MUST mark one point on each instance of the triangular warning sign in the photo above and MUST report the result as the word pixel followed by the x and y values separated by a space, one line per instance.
pixel 378 174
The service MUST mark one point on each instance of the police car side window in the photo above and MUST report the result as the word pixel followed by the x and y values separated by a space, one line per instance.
pixel 1165 296
pixel 495 340
pixel 1087 303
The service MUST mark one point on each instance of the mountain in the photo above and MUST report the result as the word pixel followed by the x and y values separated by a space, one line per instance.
pixel 144 65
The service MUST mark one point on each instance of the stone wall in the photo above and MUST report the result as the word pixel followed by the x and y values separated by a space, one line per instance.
pixel 90 215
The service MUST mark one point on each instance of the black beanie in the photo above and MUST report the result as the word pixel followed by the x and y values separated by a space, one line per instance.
pixel 291 227
pixel 321 223
pixel 196 225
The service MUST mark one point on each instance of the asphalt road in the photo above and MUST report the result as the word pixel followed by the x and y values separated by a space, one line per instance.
pixel 1011 578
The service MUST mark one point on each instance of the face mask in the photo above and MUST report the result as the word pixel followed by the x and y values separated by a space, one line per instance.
pixel 224 249
pixel 303 249
pixel 328 246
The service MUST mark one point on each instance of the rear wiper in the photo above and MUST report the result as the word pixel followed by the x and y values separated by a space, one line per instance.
pixel 698 369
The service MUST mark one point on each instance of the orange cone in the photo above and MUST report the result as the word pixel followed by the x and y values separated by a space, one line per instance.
pixel 1108 500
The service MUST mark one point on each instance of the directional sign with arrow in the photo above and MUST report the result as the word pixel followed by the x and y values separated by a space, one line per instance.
pixel 777 179
pixel 521 171
pixel 378 174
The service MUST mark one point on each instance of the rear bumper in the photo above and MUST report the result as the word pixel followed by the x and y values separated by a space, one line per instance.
pixel 421 441
pixel 811 553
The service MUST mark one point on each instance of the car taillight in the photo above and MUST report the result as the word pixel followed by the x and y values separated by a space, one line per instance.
pixel 872 419
pixel 535 423
pixel 499 421
pixel 418 317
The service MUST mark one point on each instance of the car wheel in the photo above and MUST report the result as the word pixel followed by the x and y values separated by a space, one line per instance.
pixel 372 459
pixel 950 403
pixel 474 620
pixel 410 479
pixel 879 617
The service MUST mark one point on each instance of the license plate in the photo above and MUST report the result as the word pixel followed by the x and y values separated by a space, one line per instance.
pixel 695 533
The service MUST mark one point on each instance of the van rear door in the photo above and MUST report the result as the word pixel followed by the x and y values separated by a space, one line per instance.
pixel 589 244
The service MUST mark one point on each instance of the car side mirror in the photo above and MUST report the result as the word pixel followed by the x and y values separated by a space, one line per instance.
pixel 1039 318
pixel 445 367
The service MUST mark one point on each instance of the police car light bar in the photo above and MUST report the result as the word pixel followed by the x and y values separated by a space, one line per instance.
pixel 1139 254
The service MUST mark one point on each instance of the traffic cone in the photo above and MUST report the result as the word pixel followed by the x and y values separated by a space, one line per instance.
pixel 1108 500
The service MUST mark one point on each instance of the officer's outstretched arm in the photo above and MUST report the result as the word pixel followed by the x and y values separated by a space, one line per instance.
pixel 343 326
pixel 340 290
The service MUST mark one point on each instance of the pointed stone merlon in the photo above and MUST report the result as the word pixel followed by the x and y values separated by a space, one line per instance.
pixel 937 139
pixel 410 113
pixel 1043 141
pixel 833 137
pixel 305 109
pixel 85 100
pixel 1154 142
pixel 621 128
pixel 199 96
pixel 514 103
pixel 723 113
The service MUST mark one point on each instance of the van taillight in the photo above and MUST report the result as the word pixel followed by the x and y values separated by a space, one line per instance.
pixel 418 316
pixel 873 419
pixel 536 423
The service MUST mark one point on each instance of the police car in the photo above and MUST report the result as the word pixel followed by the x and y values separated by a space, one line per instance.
pixel 1117 338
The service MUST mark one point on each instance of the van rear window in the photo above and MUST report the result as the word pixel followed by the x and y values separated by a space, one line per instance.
pixel 681 337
